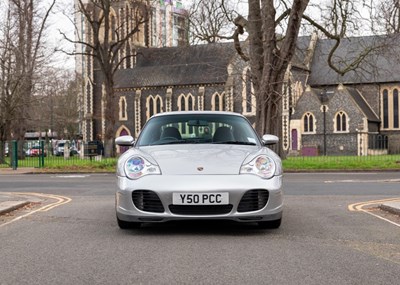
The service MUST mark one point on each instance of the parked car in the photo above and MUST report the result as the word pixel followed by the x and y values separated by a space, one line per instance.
pixel 35 151
pixel 175 172
pixel 59 148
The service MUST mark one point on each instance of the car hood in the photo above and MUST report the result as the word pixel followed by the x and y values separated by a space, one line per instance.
pixel 199 159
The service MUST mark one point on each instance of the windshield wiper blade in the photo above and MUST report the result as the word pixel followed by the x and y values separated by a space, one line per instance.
pixel 235 142
pixel 169 142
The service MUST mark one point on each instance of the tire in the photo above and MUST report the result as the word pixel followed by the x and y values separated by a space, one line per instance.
pixel 124 225
pixel 275 224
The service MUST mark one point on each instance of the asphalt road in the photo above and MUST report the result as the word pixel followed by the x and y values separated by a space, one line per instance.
pixel 74 239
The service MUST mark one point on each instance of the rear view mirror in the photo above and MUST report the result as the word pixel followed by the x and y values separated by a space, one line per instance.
pixel 125 141
pixel 270 139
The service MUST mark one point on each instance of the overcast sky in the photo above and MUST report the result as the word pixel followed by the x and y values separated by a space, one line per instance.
pixel 59 21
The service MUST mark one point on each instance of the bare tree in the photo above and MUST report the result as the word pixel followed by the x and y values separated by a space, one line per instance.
pixel 106 40
pixel 56 107
pixel 385 15
pixel 210 20
pixel 269 55
pixel 21 55
pixel 273 28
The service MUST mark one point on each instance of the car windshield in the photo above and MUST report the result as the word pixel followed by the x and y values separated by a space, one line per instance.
pixel 197 128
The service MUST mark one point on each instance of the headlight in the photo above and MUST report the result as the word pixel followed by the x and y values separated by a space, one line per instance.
pixel 136 167
pixel 262 166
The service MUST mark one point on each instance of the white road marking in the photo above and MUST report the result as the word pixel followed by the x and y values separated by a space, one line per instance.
pixel 71 176
pixel 363 181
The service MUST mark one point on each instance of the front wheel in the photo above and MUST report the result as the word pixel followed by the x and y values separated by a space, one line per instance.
pixel 270 224
pixel 128 225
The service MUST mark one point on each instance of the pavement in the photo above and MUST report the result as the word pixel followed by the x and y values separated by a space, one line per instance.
pixel 12 201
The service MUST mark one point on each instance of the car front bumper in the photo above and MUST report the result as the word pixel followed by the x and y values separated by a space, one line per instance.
pixel 165 185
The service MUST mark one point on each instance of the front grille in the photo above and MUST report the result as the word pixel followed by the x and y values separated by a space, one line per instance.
pixel 148 201
pixel 200 210
pixel 253 200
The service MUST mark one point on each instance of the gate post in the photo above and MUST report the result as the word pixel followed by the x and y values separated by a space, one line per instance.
pixel 41 154
pixel 14 155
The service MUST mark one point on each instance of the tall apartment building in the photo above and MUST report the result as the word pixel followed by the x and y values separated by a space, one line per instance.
pixel 166 27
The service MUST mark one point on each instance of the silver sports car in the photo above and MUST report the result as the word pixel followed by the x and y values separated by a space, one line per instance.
pixel 198 165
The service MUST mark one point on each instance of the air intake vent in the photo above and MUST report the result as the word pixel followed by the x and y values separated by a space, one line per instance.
pixel 148 201
pixel 253 200
pixel 200 210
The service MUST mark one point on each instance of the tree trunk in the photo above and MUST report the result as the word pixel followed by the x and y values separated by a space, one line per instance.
pixel 110 116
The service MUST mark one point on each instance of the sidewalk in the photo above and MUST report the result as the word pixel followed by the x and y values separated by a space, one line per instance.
pixel 9 201
pixel 13 201
pixel 21 170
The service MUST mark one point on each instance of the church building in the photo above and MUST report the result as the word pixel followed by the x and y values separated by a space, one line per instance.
pixel 323 113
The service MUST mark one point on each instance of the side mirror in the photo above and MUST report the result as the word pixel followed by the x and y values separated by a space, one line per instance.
pixel 270 139
pixel 125 141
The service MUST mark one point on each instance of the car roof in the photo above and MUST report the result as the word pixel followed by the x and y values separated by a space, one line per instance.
pixel 198 113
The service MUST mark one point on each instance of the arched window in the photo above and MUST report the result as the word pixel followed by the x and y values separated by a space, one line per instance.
pixel 190 103
pixel 218 101
pixel 128 56
pixel 249 92
pixel 248 98
pixel 385 107
pixel 113 28
pixel 308 123
pixel 395 109
pixel 154 105
pixel 186 102
pixel 341 122
pixel 88 98
pixel 122 109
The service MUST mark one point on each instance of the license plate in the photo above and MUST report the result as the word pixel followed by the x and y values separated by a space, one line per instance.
pixel 200 198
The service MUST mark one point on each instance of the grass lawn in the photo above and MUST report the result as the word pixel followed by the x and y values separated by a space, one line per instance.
pixel 383 162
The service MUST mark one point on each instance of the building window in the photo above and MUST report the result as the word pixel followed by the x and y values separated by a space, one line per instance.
pixel 218 102
pixel 249 100
pixel 122 109
pixel 390 108
pixel 395 109
pixel 113 28
pixel 341 122
pixel 88 98
pixel 385 109
pixel 309 123
pixel 186 102
pixel 154 105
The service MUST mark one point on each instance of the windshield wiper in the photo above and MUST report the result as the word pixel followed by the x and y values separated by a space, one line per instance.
pixel 235 142
pixel 169 142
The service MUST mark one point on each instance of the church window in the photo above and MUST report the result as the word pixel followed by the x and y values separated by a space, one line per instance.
pixel 113 28
pixel 341 122
pixel 248 98
pixel 154 105
pixel 308 123
pixel 88 98
pixel 122 109
pixel 390 107
pixel 395 109
pixel 186 102
pixel 218 102
pixel 385 109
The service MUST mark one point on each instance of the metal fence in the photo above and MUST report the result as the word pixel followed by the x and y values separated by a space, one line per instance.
pixel 42 154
